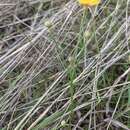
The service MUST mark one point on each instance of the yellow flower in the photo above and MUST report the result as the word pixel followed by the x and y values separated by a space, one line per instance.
pixel 89 2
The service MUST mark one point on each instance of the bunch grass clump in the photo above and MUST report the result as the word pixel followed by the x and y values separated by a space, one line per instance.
pixel 64 66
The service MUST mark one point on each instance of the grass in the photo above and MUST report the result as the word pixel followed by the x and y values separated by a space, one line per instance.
pixel 64 66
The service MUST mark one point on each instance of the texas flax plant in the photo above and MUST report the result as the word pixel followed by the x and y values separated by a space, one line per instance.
pixel 64 64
